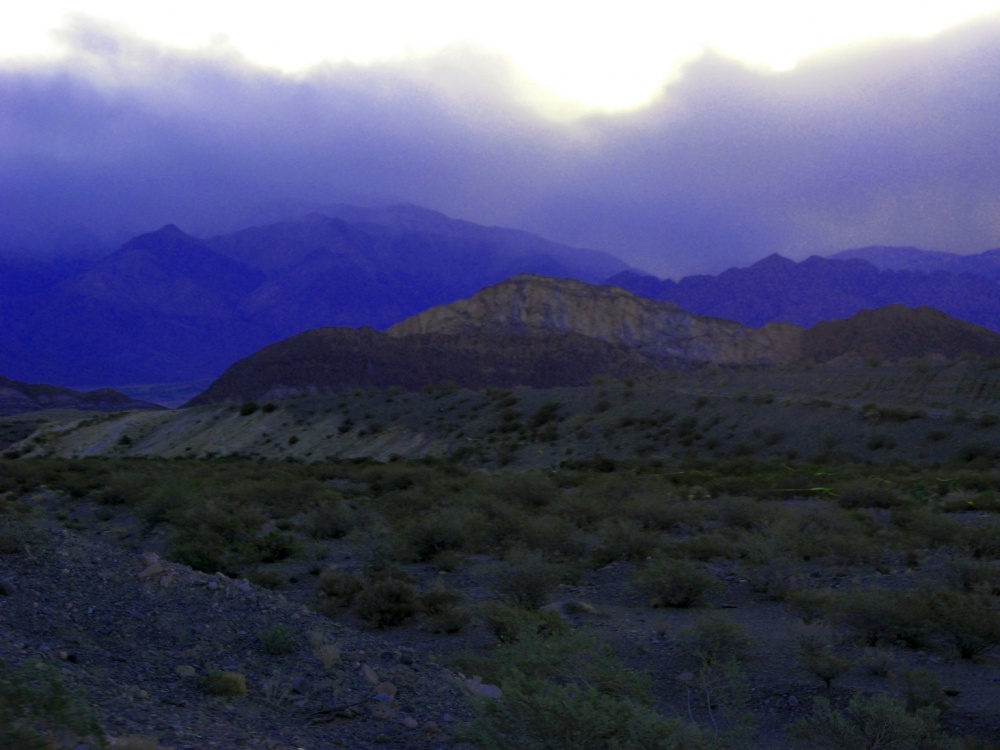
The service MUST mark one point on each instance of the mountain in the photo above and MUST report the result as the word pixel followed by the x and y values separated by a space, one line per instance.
pixel 817 289
pixel 986 264
pixel 543 332
pixel 169 307
pixel 661 331
pixel 17 398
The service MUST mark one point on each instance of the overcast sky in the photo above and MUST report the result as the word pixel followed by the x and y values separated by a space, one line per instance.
pixel 721 150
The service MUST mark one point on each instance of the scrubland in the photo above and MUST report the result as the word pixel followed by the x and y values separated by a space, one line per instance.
pixel 716 560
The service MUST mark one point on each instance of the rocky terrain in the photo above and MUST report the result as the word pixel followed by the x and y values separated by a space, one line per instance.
pixel 143 639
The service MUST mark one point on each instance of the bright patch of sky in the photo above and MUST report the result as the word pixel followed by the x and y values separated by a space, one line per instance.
pixel 590 53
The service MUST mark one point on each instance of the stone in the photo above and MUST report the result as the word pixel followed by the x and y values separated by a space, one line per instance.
pixel 185 670
pixel 410 723
pixel 489 691
pixel 386 687
pixel 369 674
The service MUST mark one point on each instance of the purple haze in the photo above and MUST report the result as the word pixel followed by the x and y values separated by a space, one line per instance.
pixel 893 144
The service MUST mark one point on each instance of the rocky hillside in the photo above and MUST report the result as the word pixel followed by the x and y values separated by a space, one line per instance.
pixel 543 332
pixel 331 359
pixel 661 331
pixel 896 332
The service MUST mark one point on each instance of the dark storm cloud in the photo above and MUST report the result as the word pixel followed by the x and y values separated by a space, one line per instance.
pixel 892 144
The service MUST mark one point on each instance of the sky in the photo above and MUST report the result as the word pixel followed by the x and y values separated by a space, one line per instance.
pixel 684 137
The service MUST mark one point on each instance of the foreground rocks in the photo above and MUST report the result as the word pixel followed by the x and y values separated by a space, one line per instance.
pixel 146 640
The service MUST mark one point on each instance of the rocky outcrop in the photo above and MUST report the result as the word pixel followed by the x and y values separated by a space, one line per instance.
pixel 659 330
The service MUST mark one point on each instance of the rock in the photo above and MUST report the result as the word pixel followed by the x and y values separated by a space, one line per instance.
pixel 185 670
pixel 386 687
pixel 410 723
pixel 369 674
pixel 489 691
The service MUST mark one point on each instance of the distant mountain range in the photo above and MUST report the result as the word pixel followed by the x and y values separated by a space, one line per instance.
pixel 169 307
pixel 818 289
pixel 543 332
pixel 912 259
pixel 17 398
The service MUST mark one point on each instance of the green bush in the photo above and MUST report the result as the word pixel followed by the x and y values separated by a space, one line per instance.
pixel 866 494
pixel 339 586
pixel 674 583
pixel 225 684
pixel 387 602
pixel 713 640
pixel 877 722
pixel 567 690
pixel 526 585
pixel 278 639
pixel 38 711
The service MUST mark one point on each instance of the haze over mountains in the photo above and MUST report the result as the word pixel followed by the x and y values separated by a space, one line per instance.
pixel 169 307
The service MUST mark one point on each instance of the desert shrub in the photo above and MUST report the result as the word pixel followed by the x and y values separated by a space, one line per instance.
pixel 973 576
pixel 922 689
pixel 674 583
pixel 437 532
pixel 970 621
pixel 880 441
pixel 18 536
pixel 817 655
pixel 268 579
pixel 387 602
pixel 655 511
pixel 508 623
pixel 439 599
pixel 331 520
pixel 863 493
pixel 278 639
pixel 275 546
pixel 339 586
pixel 877 722
pixel 38 711
pixel 622 540
pixel 927 528
pixel 224 683
pixel 553 535
pixel 882 617
pixel 875 414
pixel 248 408
pixel 713 640
pixel 526 584
pixel 567 691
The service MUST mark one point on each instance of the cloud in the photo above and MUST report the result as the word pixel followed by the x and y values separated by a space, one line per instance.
pixel 887 144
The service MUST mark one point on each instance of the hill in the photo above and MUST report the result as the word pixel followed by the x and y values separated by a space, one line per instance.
pixel 541 332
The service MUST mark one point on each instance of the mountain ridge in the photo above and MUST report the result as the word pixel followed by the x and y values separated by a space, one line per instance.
pixel 540 332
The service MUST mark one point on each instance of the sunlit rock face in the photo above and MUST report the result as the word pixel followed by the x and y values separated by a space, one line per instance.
pixel 660 330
